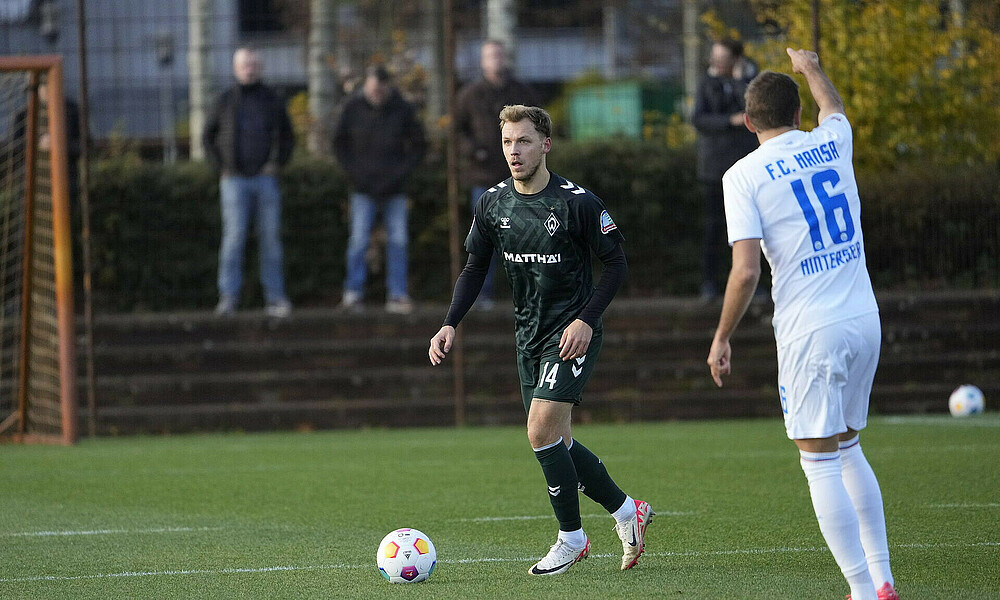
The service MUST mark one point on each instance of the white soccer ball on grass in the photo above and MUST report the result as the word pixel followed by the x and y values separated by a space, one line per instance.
pixel 966 400
pixel 406 556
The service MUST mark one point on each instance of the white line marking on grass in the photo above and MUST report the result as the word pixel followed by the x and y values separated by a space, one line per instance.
pixel 180 572
pixel 460 561
pixel 966 505
pixel 107 531
pixel 463 561
pixel 942 420
pixel 665 513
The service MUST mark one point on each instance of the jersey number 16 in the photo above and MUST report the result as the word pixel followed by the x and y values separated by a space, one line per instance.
pixel 836 211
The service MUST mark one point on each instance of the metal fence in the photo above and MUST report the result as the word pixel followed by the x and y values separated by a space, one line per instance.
pixel 604 68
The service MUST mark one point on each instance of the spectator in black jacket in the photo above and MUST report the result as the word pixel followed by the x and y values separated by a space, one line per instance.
pixel 379 141
pixel 248 136
pixel 722 140
pixel 477 118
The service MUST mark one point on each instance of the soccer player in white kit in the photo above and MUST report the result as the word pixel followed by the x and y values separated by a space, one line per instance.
pixel 796 198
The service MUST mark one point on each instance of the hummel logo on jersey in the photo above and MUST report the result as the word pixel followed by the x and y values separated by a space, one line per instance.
pixel 574 189
pixel 577 370
pixel 504 222
pixel 554 491
pixel 552 224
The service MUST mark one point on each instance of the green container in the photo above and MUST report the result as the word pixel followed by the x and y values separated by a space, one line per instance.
pixel 621 108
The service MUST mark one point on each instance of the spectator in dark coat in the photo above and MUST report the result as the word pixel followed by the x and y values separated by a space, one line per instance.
pixel 722 140
pixel 477 121
pixel 379 141
pixel 248 136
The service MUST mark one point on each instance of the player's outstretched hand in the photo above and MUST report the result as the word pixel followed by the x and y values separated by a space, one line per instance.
pixel 803 60
pixel 441 344
pixel 719 360
pixel 575 340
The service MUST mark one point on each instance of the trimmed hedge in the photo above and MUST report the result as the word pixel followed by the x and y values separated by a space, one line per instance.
pixel 156 228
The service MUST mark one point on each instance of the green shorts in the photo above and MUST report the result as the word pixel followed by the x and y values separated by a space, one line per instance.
pixel 548 377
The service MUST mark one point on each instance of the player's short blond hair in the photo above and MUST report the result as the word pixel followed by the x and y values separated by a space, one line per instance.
pixel 518 112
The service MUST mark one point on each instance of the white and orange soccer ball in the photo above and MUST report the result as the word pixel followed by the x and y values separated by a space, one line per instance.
pixel 966 400
pixel 406 556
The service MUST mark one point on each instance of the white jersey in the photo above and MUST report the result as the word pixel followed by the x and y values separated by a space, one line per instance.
pixel 798 195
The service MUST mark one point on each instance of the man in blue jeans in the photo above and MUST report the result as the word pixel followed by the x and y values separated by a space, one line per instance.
pixel 248 136
pixel 379 141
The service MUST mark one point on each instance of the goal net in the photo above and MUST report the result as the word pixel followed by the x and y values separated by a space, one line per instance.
pixel 37 372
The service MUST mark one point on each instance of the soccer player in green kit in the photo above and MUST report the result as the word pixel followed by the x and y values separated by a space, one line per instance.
pixel 544 228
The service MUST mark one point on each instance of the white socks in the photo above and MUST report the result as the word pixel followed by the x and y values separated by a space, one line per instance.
pixel 626 511
pixel 838 520
pixel 576 539
pixel 862 486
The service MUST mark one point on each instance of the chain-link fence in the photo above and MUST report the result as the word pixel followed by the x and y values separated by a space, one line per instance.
pixel 623 73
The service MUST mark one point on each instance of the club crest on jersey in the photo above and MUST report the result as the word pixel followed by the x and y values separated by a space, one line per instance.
pixel 607 225
pixel 504 222
pixel 552 224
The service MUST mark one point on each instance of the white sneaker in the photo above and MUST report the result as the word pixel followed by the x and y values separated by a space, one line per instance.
pixel 401 305
pixel 560 558
pixel 351 302
pixel 281 309
pixel 226 306
pixel 632 533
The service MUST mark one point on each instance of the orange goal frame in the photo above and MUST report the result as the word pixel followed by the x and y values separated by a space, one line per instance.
pixel 15 427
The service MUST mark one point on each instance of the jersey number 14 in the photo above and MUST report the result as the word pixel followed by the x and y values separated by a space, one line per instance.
pixel 836 211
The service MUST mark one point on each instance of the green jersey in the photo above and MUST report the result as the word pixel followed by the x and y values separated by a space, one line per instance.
pixel 544 241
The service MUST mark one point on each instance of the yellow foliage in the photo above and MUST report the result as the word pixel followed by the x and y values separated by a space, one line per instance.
pixel 915 83
pixel 298 113
pixel 716 28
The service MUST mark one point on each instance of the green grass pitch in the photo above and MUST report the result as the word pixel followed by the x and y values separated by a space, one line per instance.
pixel 299 515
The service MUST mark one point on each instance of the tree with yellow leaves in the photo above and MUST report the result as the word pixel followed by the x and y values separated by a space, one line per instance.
pixel 918 82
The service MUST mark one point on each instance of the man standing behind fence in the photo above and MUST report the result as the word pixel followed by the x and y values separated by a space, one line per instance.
pixel 722 140
pixel 379 141
pixel 477 107
pixel 248 136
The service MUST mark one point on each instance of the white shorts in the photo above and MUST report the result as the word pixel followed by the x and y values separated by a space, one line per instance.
pixel 825 378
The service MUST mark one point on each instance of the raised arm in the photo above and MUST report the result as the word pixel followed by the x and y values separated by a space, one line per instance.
pixel 826 96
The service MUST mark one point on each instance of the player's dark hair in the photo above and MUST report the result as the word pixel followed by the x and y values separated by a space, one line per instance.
pixel 735 47
pixel 519 112
pixel 772 99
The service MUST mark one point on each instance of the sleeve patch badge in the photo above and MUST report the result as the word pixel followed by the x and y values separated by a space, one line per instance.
pixel 607 225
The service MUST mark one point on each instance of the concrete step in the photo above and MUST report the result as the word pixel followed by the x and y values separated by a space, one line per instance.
pixel 756 340
pixel 425 383
pixel 192 371
pixel 484 410
pixel 664 314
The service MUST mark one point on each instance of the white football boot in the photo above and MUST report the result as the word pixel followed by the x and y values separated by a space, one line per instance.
pixel 560 558
pixel 633 534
